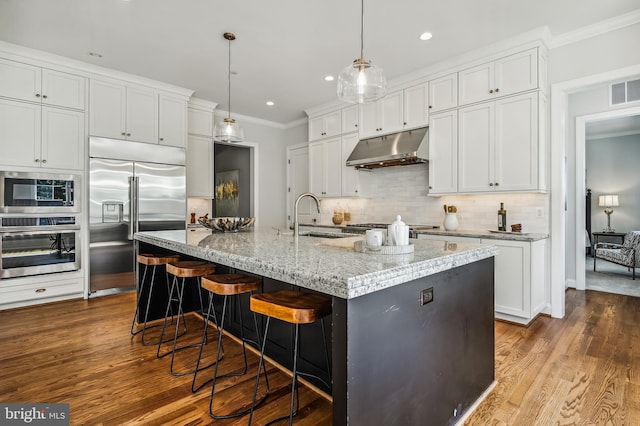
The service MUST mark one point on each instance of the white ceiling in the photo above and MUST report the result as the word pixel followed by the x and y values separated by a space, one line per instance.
pixel 284 48
pixel 613 127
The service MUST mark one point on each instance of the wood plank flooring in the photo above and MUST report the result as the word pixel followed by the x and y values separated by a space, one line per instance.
pixel 584 369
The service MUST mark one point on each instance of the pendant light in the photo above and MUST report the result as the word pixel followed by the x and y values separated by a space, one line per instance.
pixel 361 82
pixel 228 131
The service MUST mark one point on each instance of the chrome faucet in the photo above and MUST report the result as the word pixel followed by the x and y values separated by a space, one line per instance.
pixel 295 209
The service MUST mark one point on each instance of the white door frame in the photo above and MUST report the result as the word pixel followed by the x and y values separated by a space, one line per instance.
pixel 559 125
pixel 581 150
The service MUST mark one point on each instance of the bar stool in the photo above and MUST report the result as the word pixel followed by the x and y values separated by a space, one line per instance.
pixel 155 261
pixel 228 285
pixel 183 269
pixel 297 308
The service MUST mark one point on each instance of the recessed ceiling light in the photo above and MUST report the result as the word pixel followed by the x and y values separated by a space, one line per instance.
pixel 426 36
pixel 95 54
pixel 328 78
pixel 270 103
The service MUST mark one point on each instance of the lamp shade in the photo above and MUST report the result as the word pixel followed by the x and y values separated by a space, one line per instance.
pixel 608 201
pixel 361 82
pixel 228 131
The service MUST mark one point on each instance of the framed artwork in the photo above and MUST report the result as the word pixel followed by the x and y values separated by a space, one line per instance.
pixel 227 199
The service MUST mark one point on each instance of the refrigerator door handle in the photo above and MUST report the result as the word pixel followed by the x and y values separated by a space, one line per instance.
pixel 136 203
pixel 133 207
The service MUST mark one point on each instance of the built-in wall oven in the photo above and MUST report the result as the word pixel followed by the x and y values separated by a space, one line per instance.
pixel 39 224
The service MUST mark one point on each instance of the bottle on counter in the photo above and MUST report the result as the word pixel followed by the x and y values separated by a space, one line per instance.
pixel 502 218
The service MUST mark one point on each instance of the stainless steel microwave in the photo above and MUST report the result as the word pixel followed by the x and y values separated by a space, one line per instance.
pixel 25 192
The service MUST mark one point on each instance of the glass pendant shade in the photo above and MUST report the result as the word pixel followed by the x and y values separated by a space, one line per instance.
pixel 228 131
pixel 361 82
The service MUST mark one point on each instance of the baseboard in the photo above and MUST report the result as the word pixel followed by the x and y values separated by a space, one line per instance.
pixel 570 283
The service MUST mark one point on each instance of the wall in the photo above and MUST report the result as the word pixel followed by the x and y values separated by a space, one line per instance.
pixel 612 168
pixel 228 158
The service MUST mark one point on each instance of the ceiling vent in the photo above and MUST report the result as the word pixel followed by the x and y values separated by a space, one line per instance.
pixel 627 91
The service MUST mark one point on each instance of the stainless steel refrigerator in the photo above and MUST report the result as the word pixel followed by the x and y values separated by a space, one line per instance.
pixel 132 187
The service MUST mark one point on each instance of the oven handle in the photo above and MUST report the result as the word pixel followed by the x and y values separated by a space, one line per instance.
pixel 38 229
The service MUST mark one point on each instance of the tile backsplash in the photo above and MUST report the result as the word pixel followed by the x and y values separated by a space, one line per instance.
pixel 199 206
pixel 403 190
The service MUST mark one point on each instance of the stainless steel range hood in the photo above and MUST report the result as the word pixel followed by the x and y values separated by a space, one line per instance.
pixel 408 147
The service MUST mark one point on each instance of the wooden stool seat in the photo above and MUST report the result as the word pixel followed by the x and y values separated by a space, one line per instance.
pixel 191 268
pixel 157 259
pixel 230 284
pixel 294 307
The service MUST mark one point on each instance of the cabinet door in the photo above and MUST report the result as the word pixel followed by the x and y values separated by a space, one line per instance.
pixel 443 153
pixel 107 109
pixel 63 89
pixel 512 277
pixel 200 167
pixel 19 133
pixel 62 138
pixel 200 122
pixel 476 84
pixel 332 124
pixel 333 166
pixel 316 128
pixel 142 115
pixel 173 121
pixel 298 183
pixel 350 119
pixel 391 112
pixel 416 111
pixel 516 143
pixel 368 120
pixel 475 159
pixel 349 174
pixel 443 93
pixel 516 73
pixel 20 81
pixel 316 168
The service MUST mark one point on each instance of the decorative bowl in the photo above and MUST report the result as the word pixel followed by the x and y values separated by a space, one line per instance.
pixel 227 224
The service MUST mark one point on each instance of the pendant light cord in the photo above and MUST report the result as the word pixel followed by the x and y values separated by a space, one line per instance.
pixel 362 30
pixel 229 79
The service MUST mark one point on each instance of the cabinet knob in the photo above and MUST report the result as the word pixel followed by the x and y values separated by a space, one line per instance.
pixel 430 187
pixel 355 125
pixel 356 191
pixel 161 139
pixel 37 160
pixel 430 107
pixel 40 290
pixel 404 123
pixel 497 90
pixel 44 96
pixel 128 134
pixel 497 184
pixel 491 91
pixel 44 161
pixel 124 133
pixel 37 95
pixel 490 183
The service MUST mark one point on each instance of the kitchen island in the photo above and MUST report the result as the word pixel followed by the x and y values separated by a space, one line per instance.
pixel 412 336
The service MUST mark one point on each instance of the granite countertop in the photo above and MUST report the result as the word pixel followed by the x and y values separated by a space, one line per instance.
pixel 328 265
pixel 471 233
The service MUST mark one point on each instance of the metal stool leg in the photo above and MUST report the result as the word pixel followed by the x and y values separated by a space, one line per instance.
pixel 135 314
pixel 220 350
pixel 260 366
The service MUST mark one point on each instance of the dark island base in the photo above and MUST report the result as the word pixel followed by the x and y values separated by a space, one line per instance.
pixel 394 361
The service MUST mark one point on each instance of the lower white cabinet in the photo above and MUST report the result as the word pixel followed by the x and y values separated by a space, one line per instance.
pixel 519 275
pixel 16 292
pixel 200 164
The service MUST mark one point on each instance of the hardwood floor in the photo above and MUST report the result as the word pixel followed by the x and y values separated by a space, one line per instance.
pixel 583 369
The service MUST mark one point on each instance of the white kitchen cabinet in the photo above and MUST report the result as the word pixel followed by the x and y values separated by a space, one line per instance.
pixel 498 145
pixel 121 112
pixel 443 93
pixel 383 116
pixel 325 126
pixel 37 136
pixel 350 183
pixel 519 275
pixel 503 77
pixel 416 106
pixel 41 85
pixel 172 121
pixel 17 292
pixel 443 153
pixel 349 119
pixel 200 167
pixel 325 167
pixel 200 122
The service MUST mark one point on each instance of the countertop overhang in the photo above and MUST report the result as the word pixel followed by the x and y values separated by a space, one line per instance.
pixel 329 266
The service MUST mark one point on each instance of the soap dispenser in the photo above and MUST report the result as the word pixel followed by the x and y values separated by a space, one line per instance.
pixel 398 233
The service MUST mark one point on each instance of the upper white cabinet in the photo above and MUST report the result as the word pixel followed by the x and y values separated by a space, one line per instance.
pixel 443 93
pixel 41 136
pixel 383 116
pixel 200 167
pixel 498 145
pixel 349 119
pixel 506 76
pixel 200 122
pixel 443 153
pixel 350 183
pixel 173 121
pixel 325 126
pixel 416 106
pixel 325 167
pixel 41 85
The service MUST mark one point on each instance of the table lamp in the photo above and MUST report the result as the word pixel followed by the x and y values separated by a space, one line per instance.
pixel 608 202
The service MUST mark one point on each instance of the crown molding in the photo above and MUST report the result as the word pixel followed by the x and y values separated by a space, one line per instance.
pixel 248 119
pixel 202 104
pixel 596 29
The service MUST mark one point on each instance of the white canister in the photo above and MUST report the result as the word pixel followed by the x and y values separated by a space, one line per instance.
pixel 451 221
pixel 398 233
pixel 374 237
